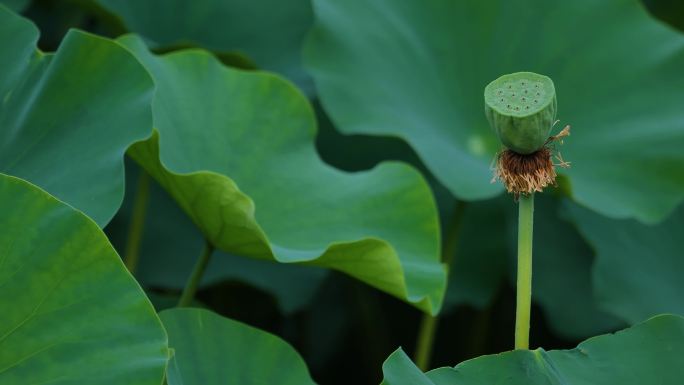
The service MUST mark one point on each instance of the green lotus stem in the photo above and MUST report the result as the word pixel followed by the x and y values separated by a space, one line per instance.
pixel 426 339
pixel 196 276
pixel 429 323
pixel 524 290
pixel 137 224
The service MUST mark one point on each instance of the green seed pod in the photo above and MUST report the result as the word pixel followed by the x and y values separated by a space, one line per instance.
pixel 521 108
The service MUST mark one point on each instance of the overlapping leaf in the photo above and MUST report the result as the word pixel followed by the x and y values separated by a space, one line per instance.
pixel 638 269
pixel 270 32
pixel 67 118
pixel 71 312
pixel 212 350
pixel 646 354
pixel 171 242
pixel 235 150
pixel 417 70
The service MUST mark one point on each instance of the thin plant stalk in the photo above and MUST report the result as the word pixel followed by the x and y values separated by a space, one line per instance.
pixel 429 323
pixel 373 321
pixel 524 289
pixel 196 276
pixel 137 224
pixel 426 339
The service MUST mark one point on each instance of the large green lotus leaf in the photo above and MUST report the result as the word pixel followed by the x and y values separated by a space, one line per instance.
pixel 171 242
pixel 638 268
pixel 212 350
pixel 72 314
pixel 562 268
pixel 235 150
pixel 270 32
pixel 417 70
pixel 67 119
pixel 646 354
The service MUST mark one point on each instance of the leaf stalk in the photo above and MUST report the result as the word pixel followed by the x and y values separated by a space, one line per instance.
pixel 137 224
pixel 196 276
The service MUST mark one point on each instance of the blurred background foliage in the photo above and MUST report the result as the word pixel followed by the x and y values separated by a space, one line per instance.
pixel 591 279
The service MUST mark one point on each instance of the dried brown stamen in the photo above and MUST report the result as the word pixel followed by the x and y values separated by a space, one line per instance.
pixel 525 174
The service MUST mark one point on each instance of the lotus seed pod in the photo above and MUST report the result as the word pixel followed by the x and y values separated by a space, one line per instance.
pixel 521 108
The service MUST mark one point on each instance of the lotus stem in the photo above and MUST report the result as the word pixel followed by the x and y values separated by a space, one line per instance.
pixel 137 224
pixel 524 290
pixel 196 276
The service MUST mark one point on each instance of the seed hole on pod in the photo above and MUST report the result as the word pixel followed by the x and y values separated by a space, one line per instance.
pixel 535 100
